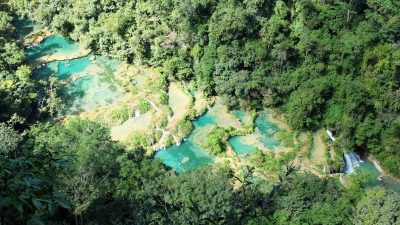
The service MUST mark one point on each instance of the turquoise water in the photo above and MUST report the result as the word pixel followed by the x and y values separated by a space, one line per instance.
pixel 241 115
pixel 63 69
pixel 92 90
pixel 205 120
pixel 53 45
pixel 188 155
pixel 184 157
pixel 265 132
pixel 239 147
pixel 368 167
pixel 177 156
pixel 89 81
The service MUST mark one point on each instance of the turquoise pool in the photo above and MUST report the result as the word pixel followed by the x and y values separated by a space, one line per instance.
pixel 50 46
pixel 88 81
pixel 264 132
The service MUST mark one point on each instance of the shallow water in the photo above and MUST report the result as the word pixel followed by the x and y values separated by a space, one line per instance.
pixel 63 69
pixel 54 45
pixel 89 81
pixel 93 88
pixel 205 120
pixel 264 133
pixel 239 146
pixel 178 157
pixel 184 157
pixel 188 155
pixel 267 130
pixel 240 114
pixel 368 167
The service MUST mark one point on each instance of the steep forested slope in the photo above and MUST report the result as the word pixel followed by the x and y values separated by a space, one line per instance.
pixel 331 63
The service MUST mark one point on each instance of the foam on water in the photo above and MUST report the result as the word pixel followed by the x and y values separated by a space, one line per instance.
pixel 352 160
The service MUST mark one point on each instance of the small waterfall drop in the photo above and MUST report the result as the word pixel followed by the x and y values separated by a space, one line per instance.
pixel 137 113
pixel 166 133
pixel 330 134
pixel 175 139
pixel 352 160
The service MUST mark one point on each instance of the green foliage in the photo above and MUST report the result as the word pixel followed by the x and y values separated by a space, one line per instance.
pixel 310 144
pixel 358 181
pixel 160 85
pixel 325 64
pixel 24 72
pixel 29 187
pixel 89 141
pixel 185 126
pixel 307 199
pixel 9 139
pixel 143 106
pixel 164 98
pixel 287 138
pixel 378 206
pixel 94 167
pixel 17 91
pixel 266 162
pixel 139 140
pixel 187 198
pixel 51 102
pixel 328 157
pixel 216 140
pixel 120 115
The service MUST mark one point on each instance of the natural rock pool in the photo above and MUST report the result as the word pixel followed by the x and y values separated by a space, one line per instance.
pixel 354 164
pixel 263 136
pixel 89 80
pixel 53 47
pixel 368 167
pixel 190 153
pixel 89 83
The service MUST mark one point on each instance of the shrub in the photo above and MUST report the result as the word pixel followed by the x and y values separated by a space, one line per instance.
pixel 143 106
pixel 287 138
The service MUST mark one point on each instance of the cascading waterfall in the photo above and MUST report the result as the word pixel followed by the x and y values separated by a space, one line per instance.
pixel 352 160
pixel 137 113
pixel 166 133
pixel 330 134
pixel 175 139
